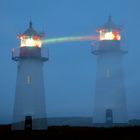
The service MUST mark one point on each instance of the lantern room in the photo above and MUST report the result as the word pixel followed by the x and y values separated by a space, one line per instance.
pixel 30 46
pixel 109 35
pixel 30 38
pixel 109 31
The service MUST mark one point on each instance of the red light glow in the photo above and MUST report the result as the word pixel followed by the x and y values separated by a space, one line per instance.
pixel 30 41
pixel 109 35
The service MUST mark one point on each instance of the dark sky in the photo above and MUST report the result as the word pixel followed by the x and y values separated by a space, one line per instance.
pixel 70 73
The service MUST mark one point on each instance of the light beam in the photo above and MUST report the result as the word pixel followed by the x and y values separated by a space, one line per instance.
pixel 69 39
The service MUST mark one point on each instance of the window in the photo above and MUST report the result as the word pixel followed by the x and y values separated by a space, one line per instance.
pixel 29 80
pixel 108 73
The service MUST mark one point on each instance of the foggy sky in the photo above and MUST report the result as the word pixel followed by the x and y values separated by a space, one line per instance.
pixel 70 73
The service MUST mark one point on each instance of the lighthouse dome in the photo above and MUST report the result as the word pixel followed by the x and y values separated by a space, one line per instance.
pixel 31 31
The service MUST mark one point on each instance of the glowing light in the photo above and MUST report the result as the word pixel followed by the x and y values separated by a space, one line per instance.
pixel 69 39
pixel 109 35
pixel 30 41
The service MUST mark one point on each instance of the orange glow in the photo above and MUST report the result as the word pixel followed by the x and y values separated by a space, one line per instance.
pixel 30 41
pixel 109 35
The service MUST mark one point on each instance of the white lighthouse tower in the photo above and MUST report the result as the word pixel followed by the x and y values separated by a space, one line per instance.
pixel 110 100
pixel 29 107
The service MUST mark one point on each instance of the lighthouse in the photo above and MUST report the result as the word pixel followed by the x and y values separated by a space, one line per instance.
pixel 29 106
pixel 110 99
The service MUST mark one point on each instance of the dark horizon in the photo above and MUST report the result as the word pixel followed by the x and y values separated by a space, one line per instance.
pixel 70 73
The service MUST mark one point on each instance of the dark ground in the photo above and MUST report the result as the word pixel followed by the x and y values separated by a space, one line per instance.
pixel 66 132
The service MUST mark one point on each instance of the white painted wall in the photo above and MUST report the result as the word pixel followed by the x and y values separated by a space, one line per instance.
pixel 30 98
pixel 110 89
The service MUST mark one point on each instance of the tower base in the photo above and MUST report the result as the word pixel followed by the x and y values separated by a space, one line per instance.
pixel 37 124
pixel 110 125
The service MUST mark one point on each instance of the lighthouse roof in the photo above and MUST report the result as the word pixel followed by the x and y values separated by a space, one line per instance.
pixel 31 31
pixel 110 25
